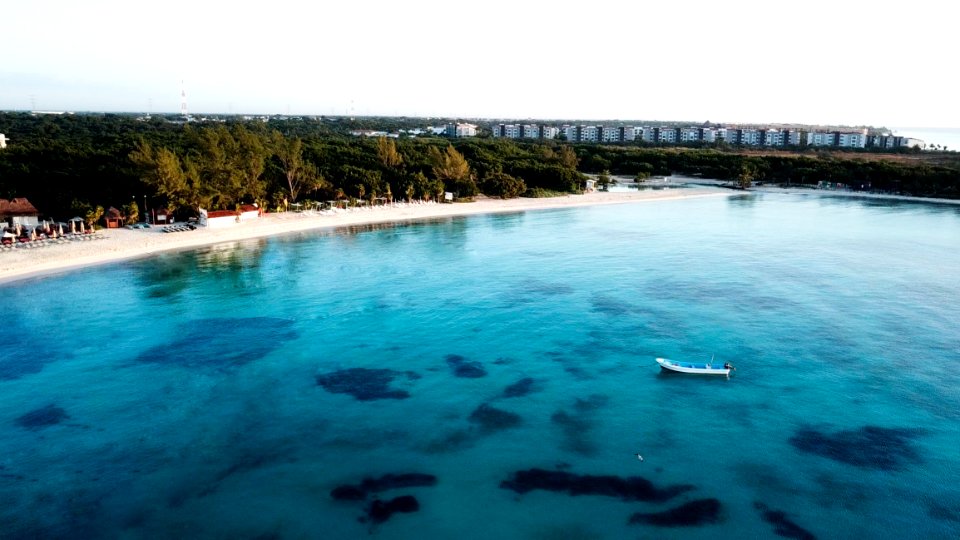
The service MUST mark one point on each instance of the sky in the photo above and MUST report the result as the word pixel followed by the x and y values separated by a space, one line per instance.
pixel 838 62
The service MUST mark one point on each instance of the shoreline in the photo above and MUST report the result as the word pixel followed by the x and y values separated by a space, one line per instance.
pixel 114 245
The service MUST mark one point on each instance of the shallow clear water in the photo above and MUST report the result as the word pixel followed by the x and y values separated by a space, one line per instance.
pixel 178 396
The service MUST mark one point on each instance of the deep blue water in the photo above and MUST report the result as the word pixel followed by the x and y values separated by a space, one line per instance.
pixel 225 392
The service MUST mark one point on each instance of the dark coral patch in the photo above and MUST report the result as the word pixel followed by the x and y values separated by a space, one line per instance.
pixel 363 384
pixel 380 511
pixel 397 481
pixel 43 417
pixel 222 342
pixel 493 419
pixel 633 488
pixel 465 369
pixel 782 525
pixel 17 365
pixel 691 514
pixel 348 493
pixel 520 388
pixel 610 305
pixel 944 512
pixel 383 483
pixel 870 447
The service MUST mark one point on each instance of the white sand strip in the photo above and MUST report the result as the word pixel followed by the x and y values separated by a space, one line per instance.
pixel 120 244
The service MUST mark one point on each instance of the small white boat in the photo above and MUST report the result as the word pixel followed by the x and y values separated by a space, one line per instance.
pixel 701 368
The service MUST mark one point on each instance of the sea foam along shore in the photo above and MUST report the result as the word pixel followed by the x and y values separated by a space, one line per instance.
pixel 120 244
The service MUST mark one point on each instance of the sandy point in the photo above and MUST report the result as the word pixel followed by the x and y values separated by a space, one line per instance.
pixel 122 244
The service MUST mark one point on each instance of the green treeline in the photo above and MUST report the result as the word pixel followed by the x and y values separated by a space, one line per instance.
pixel 69 164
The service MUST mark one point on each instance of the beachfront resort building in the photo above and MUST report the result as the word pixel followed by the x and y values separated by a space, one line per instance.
pixel 844 139
pixel 740 136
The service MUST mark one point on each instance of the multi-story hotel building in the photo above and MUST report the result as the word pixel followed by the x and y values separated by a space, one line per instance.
pixel 461 130
pixel 744 136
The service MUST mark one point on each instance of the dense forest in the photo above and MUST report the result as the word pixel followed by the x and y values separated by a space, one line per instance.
pixel 72 164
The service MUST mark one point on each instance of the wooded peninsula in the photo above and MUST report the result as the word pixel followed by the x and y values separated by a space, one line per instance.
pixel 79 164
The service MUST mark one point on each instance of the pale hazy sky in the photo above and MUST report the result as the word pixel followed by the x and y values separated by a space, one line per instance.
pixel 811 61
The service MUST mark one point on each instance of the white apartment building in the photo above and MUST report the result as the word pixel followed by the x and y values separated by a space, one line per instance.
pixel 461 130
pixel 550 132
pixel 887 140
pixel 510 131
pixel 570 133
pixel 851 140
pixel 751 137
pixel 910 142
pixel 774 137
pixel 709 135
pixel 609 134
pixel 588 134
pixel 668 135
pixel 821 138
pixel 530 131
pixel 689 134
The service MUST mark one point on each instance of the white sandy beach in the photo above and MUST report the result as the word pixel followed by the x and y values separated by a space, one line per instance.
pixel 119 244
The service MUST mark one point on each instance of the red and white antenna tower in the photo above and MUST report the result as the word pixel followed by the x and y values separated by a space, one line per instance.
pixel 183 100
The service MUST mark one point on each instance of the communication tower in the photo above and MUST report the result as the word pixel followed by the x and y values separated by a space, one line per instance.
pixel 183 101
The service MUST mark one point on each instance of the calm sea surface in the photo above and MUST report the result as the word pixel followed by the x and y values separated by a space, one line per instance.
pixel 225 392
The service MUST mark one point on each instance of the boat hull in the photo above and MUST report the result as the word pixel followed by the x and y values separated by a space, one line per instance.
pixel 691 368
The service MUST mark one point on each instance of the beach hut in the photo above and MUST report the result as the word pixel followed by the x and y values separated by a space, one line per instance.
pixel 162 215
pixel 19 211
pixel 113 218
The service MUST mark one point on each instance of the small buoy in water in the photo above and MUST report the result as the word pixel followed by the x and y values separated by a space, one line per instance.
pixel 639 457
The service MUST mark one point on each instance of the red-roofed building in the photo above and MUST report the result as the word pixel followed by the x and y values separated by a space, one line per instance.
pixel 224 218
pixel 19 210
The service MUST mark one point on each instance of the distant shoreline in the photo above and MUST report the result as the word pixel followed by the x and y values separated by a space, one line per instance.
pixel 116 245
pixel 806 189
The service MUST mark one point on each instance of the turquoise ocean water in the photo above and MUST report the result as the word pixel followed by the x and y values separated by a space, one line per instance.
pixel 216 393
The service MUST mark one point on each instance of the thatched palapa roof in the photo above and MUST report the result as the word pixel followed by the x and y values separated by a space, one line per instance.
pixel 19 206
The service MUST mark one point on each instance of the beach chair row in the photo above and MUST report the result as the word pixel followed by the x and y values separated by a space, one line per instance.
pixel 19 244
pixel 178 228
